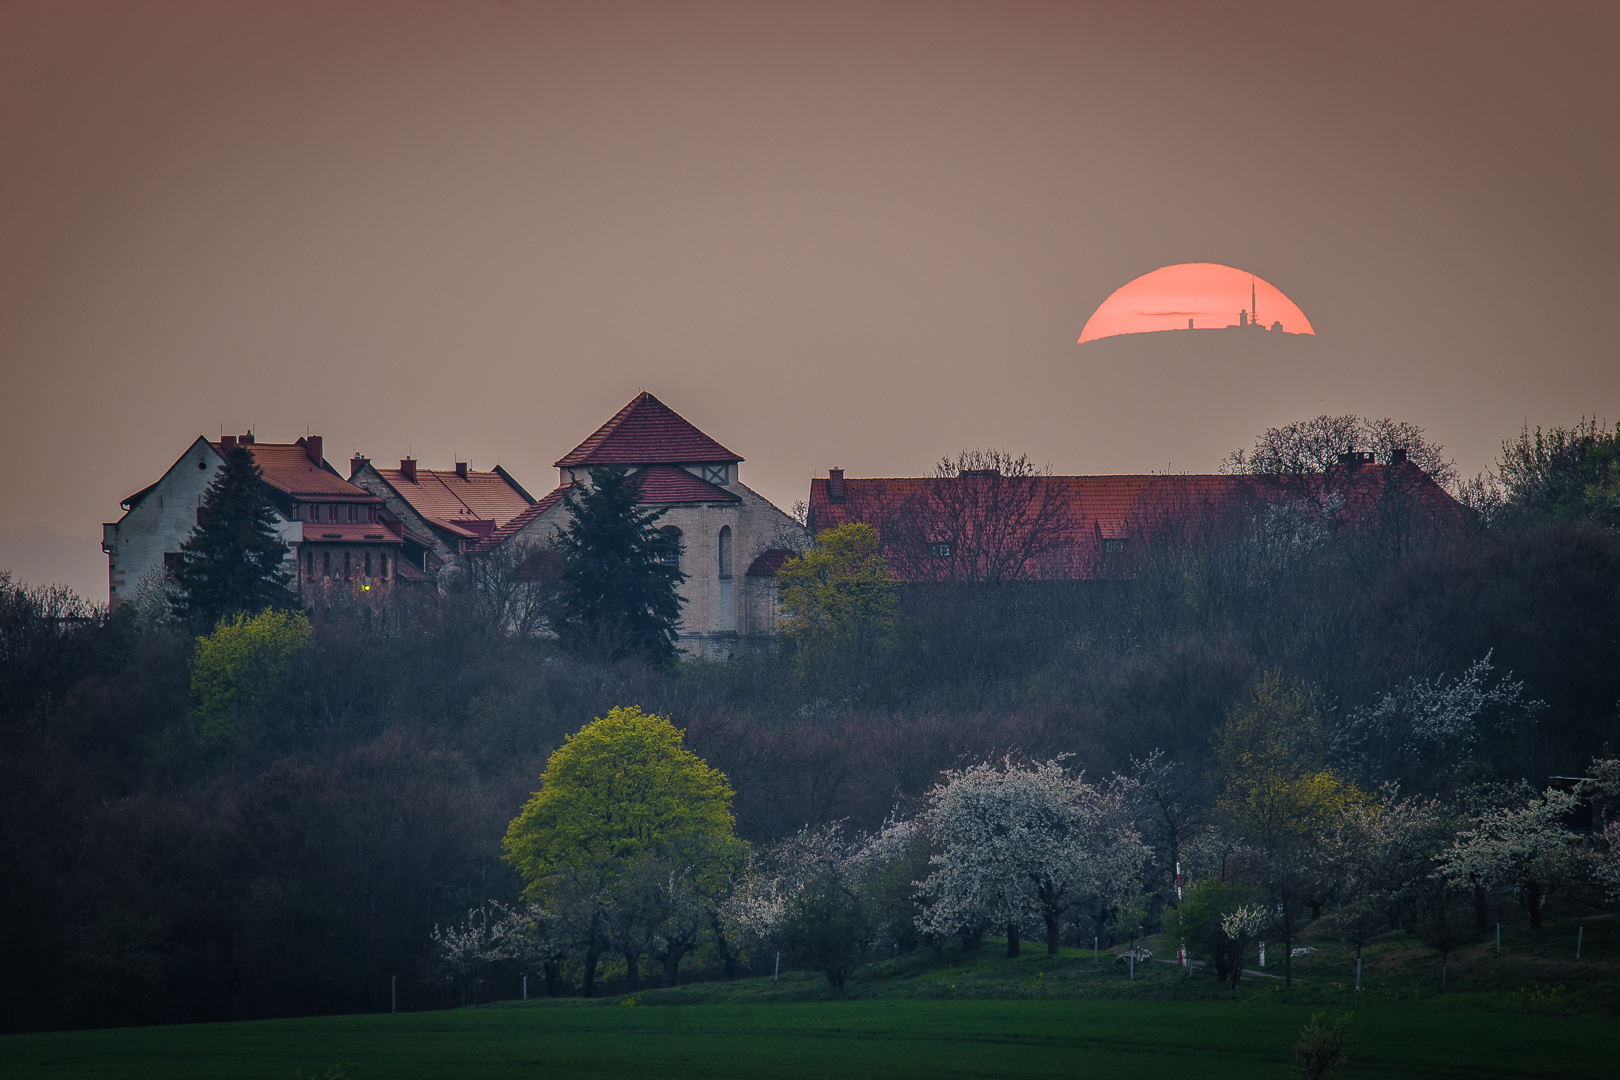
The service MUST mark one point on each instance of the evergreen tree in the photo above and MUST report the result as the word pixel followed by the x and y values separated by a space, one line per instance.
pixel 231 562
pixel 618 591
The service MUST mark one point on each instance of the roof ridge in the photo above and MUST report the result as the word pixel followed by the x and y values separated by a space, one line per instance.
pixel 647 432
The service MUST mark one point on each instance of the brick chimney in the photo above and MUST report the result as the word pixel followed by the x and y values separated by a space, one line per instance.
pixel 1397 456
pixel 227 443
pixel 408 467
pixel 357 463
pixel 835 485
pixel 312 447
pixel 461 469
pixel 246 440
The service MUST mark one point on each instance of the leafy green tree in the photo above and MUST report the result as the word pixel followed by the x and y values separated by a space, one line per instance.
pixel 617 594
pixel 1566 474
pixel 839 597
pixel 232 561
pixel 618 795
pixel 1282 798
pixel 249 676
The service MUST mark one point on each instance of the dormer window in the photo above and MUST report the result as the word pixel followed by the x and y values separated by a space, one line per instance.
pixel 940 549
pixel 717 474
pixel 1114 546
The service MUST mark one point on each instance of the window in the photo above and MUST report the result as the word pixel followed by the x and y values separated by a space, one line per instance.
pixel 1114 546
pixel 940 549
pixel 385 567
pixel 368 564
pixel 725 551
pixel 671 554
pixel 354 513
pixel 348 567
pixel 717 474
pixel 326 564
pixel 309 564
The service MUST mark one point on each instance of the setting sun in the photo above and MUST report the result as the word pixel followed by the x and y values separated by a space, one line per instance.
pixel 1195 296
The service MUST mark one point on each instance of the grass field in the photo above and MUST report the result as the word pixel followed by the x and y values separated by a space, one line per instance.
pixel 1532 1013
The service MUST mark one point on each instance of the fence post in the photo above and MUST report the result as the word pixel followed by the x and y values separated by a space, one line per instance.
pixel 1578 932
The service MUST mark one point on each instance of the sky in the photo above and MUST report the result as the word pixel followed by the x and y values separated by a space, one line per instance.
pixel 859 235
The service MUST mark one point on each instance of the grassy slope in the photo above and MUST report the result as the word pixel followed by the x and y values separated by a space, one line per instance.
pixel 928 1015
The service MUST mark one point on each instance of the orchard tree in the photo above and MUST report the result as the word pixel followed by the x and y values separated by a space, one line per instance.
pixel 1565 474
pixel 1020 843
pixel 617 594
pixel 232 561
pixel 622 803
pixel 1524 847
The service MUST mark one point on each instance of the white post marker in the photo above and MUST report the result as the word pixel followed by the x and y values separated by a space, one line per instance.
pixel 1094 949
pixel 778 973
pixel 1358 973
pixel 1579 930
pixel 525 988
pixel 1262 954
pixel 1498 939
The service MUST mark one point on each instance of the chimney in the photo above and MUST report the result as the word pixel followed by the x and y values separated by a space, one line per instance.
pixel 312 447
pixel 1354 458
pixel 461 469
pixel 227 443
pixel 1397 457
pixel 408 467
pixel 357 463
pixel 835 485
pixel 246 440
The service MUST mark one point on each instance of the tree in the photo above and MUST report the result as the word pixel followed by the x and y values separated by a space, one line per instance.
pixel 1565 474
pixel 618 590
pixel 1524 847
pixel 232 561
pixel 1279 795
pixel 1201 923
pixel 988 517
pixel 620 794
pixel 250 676
pixel 1015 844
pixel 1444 925
pixel 838 597
pixel 1314 448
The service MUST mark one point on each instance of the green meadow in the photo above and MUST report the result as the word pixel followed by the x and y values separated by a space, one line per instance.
pixel 1533 1012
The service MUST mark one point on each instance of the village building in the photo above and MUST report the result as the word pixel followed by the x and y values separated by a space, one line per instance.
pixel 444 512
pixel 982 526
pixel 733 539
pixel 339 543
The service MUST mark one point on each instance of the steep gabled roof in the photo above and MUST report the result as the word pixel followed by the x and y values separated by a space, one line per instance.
pixel 288 467
pixel 446 495
pixel 517 524
pixel 646 432
pixel 667 484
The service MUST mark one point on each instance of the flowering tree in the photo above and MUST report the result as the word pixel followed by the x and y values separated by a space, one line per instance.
pixel 1017 843
pixel 1526 848
pixel 1426 732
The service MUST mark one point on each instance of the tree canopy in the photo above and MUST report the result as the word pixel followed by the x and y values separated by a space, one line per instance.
pixel 233 559
pixel 617 594
pixel 840 593
pixel 251 672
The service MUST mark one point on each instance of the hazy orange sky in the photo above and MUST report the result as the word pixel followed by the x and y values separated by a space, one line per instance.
pixel 862 235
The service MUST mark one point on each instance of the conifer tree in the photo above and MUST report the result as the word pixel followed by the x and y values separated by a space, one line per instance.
pixel 618 591
pixel 231 562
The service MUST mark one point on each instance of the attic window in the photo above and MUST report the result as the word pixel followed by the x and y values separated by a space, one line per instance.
pixel 1114 545
pixel 717 474
pixel 940 549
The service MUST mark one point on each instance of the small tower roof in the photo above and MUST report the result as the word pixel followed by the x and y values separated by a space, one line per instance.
pixel 646 432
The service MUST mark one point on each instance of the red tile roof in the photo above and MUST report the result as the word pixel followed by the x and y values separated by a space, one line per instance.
pixel 517 524
pixel 333 533
pixel 769 562
pixel 1096 509
pixel 667 484
pixel 289 468
pixel 646 432
pixel 447 497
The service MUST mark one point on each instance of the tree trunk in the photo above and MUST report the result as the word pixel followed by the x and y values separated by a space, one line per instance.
pixel 553 978
pixel 632 970
pixel 1532 899
pixel 1012 939
pixel 1482 914
pixel 1053 928
pixel 971 940
pixel 593 953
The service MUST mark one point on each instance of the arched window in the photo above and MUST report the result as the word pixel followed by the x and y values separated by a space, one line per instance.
pixel 671 555
pixel 725 551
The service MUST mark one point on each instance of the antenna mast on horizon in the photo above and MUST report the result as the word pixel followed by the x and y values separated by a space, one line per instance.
pixel 1253 313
